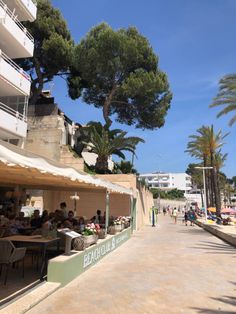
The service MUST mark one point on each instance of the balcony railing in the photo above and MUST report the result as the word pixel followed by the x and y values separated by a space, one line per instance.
pixel 12 112
pixel 12 15
pixel 14 65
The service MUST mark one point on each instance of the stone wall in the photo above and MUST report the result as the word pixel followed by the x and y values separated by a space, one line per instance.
pixel 44 136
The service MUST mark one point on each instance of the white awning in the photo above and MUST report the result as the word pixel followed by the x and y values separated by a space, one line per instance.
pixel 23 167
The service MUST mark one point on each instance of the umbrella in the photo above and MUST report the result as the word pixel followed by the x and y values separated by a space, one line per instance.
pixel 211 209
pixel 229 211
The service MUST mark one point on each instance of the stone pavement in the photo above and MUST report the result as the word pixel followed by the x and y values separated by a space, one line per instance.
pixel 167 269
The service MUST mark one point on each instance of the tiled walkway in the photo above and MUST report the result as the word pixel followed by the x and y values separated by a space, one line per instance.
pixel 167 269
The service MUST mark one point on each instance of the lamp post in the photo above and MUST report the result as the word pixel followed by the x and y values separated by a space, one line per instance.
pixel 204 187
pixel 75 197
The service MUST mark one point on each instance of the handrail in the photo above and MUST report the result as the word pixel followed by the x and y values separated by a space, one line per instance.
pixel 15 19
pixel 15 66
pixel 12 112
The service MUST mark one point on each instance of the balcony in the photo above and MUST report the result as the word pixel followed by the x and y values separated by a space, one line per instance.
pixel 26 10
pixel 13 80
pixel 15 40
pixel 13 124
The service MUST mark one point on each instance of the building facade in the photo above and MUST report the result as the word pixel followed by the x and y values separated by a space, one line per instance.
pixel 168 181
pixel 15 42
pixel 54 135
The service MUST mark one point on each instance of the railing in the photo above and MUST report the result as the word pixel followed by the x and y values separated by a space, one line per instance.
pixel 12 112
pixel 15 19
pixel 14 65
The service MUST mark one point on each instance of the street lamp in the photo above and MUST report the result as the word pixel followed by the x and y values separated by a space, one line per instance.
pixel 204 187
pixel 75 197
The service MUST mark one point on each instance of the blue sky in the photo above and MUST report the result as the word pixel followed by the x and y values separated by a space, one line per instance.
pixel 195 42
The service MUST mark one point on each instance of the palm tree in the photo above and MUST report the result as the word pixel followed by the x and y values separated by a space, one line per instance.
pixel 198 148
pixel 226 97
pixel 104 142
pixel 206 146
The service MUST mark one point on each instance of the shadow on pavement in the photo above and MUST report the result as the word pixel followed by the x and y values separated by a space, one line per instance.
pixel 215 248
pixel 209 311
pixel 228 300
pixel 190 229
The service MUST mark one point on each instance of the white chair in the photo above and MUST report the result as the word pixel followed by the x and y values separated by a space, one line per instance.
pixel 9 255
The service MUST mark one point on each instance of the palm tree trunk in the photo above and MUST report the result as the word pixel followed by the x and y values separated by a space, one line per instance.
pixel 215 185
pixel 207 185
pixel 213 196
pixel 202 198
pixel 101 165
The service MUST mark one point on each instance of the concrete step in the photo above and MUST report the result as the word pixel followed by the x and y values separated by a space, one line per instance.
pixel 31 298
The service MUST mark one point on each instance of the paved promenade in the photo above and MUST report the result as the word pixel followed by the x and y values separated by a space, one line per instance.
pixel 167 269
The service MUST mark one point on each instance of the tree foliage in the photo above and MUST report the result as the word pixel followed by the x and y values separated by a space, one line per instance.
pixel 124 166
pixel 104 142
pixel 53 47
pixel 195 174
pixel 171 195
pixel 226 97
pixel 118 72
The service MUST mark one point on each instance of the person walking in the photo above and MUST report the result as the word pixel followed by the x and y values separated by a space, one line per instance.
pixel 175 215
pixel 186 218
pixel 192 216
pixel 164 211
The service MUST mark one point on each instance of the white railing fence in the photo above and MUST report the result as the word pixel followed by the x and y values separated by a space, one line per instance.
pixel 14 65
pixel 12 15
pixel 12 112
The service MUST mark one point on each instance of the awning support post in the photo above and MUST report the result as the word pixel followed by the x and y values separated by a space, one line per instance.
pixel 107 210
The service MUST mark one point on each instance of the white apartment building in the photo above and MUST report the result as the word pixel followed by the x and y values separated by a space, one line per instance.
pixel 168 181
pixel 15 42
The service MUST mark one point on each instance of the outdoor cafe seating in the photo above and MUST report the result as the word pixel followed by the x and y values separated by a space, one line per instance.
pixel 9 255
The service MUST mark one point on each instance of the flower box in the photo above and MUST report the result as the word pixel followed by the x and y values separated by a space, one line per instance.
pixel 111 230
pixel 119 228
pixel 126 224
pixel 101 234
pixel 83 242
pixel 89 240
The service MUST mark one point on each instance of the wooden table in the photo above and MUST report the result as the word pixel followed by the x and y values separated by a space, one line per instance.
pixel 37 240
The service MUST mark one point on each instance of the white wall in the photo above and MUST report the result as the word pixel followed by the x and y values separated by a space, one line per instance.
pixel 15 78
pixel 13 125
pixel 167 181
pixel 16 42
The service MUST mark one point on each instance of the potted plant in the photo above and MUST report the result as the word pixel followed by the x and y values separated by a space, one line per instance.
pixel 90 235
pixel 119 226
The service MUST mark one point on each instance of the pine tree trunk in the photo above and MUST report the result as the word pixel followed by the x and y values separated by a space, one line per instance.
pixel 106 106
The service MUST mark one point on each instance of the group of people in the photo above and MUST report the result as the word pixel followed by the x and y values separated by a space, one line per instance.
pixel 60 218
pixel 189 215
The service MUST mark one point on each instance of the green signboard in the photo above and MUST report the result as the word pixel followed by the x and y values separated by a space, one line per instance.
pixel 64 268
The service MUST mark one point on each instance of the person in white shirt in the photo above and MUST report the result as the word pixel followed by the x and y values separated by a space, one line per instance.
pixel 175 214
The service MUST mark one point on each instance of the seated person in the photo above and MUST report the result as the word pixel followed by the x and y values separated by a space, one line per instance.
pixel 71 218
pixel 46 224
pixel 36 221
pixel 44 216
pixel 3 219
pixel 63 208
pixel 81 224
pixel 14 225
pixel 98 218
